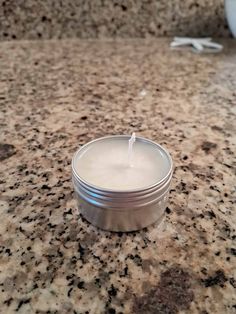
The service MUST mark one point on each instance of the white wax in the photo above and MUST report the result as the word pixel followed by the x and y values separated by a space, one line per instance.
pixel 105 164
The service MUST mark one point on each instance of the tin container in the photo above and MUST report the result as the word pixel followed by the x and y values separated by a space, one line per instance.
pixel 122 210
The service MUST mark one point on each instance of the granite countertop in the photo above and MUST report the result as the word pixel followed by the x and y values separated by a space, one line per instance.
pixel 58 95
pixel 33 19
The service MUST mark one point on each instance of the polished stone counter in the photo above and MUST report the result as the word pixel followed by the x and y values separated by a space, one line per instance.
pixel 33 19
pixel 56 96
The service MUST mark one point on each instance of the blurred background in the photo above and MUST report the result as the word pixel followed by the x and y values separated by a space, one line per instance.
pixel 33 19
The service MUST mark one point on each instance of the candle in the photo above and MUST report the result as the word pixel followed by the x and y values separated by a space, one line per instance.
pixel 119 174
pixel 106 164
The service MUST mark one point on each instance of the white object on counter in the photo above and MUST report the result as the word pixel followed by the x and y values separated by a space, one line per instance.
pixel 230 10
pixel 199 44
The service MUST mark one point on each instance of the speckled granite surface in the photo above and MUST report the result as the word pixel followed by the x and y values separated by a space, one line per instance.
pixel 58 95
pixel 30 19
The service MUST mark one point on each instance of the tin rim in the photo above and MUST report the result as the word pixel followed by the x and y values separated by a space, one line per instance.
pixel 105 190
pixel 111 202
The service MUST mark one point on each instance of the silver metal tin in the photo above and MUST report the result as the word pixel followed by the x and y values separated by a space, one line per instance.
pixel 122 210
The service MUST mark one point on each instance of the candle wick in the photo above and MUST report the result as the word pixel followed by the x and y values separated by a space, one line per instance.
pixel 130 149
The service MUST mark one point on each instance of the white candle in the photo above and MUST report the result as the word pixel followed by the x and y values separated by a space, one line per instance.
pixel 105 163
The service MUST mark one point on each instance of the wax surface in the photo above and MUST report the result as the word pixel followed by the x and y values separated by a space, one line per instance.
pixel 105 164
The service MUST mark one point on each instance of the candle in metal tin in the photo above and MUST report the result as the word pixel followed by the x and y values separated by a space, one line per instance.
pixel 118 190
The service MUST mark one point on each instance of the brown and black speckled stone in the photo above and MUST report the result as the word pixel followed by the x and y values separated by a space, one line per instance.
pixel 6 151
pixel 33 19
pixel 172 294
pixel 56 96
